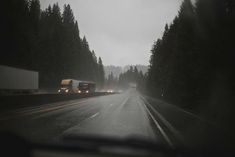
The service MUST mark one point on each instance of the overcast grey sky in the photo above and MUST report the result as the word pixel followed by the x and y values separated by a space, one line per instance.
pixel 121 31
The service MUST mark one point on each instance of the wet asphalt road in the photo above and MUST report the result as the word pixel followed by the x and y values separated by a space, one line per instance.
pixel 118 115
pixel 125 115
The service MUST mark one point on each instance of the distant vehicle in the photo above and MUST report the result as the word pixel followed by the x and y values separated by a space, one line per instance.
pixel 17 81
pixel 133 85
pixel 76 86
pixel 110 91
pixel 86 87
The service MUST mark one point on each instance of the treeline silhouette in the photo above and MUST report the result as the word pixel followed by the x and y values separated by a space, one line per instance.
pixel 123 81
pixel 133 75
pixel 111 82
pixel 47 41
pixel 193 63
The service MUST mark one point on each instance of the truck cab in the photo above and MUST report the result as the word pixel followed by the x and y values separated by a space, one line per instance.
pixel 68 86
pixel 75 86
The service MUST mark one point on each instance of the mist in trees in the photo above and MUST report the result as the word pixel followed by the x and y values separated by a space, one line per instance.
pixel 111 82
pixel 47 41
pixel 127 79
pixel 132 76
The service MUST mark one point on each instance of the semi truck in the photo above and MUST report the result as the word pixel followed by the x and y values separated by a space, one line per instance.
pixel 17 81
pixel 76 86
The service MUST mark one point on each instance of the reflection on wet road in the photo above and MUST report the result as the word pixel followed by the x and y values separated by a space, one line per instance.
pixel 128 114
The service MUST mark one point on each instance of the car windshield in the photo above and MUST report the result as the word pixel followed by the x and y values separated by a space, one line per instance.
pixel 152 70
pixel 83 86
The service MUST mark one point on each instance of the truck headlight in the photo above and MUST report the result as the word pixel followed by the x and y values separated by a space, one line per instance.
pixel 66 90
pixel 59 91
pixel 79 91
pixel 87 91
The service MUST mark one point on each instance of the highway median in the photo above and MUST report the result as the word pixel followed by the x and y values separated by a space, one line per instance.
pixel 17 101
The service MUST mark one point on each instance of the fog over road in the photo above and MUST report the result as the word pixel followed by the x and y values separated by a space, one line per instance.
pixel 125 115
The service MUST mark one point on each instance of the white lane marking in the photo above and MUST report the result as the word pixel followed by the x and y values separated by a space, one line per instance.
pixel 160 128
pixel 93 116
pixel 28 109
pixel 40 110
pixel 124 102
pixel 44 107
pixel 71 128
pixel 168 124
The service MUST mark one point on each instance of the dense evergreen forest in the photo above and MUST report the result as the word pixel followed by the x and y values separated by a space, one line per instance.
pixel 123 81
pixel 192 65
pixel 47 41
pixel 133 75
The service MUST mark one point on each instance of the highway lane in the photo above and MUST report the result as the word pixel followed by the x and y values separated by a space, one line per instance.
pixel 125 115
pixel 119 115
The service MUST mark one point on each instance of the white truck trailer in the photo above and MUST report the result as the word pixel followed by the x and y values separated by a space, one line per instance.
pixel 15 80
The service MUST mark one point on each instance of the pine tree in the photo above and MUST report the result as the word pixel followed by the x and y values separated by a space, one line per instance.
pixel 193 51
pixel 35 12
pixel 101 72
pixel 48 42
